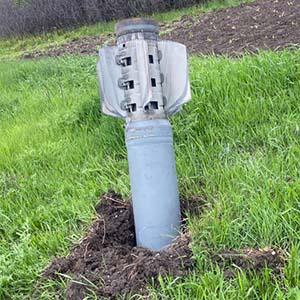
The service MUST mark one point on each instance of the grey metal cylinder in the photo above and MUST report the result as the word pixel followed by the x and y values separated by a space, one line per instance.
pixel 134 25
pixel 153 181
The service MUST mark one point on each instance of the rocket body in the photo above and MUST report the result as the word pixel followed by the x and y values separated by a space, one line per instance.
pixel 153 181
pixel 144 81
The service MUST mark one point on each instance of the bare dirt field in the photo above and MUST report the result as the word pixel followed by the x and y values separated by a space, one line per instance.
pixel 261 25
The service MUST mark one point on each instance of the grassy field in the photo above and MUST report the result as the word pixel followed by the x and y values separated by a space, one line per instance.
pixel 17 47
pixel 237 144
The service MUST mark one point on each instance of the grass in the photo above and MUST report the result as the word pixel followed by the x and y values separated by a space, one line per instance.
pixel 237 144
pixel 17 47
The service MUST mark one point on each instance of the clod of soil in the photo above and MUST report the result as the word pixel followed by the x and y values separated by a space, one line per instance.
pixel 261 25
pixel 249 260
pixel 107 262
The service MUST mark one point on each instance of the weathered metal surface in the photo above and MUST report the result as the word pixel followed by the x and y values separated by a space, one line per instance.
pixel 153 181
pixel 141 77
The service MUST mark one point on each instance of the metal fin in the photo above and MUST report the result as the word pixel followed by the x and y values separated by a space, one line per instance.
pixel 109 73
pixel 174 67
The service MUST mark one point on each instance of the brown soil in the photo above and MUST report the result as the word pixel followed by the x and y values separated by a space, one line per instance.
pixel 249 260
pixel 107 262
pixel 88 45
pixel 261 25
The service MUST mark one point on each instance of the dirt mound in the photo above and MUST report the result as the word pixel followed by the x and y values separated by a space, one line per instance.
pixel 107 263
pixel 263 24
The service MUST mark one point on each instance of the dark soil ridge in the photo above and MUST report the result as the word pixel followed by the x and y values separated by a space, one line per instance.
pixel 261 25
pixel 107 263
